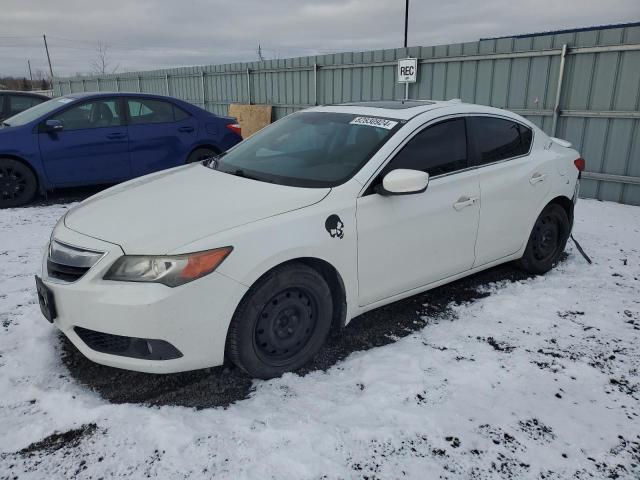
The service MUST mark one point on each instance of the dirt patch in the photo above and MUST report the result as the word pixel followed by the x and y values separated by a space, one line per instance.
pixel 58 440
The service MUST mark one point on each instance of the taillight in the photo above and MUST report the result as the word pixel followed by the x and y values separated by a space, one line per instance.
pixel 235 128
pixel 580 164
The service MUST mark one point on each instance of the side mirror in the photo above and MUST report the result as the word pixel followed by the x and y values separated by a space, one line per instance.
pixel 53 126
pixel 403 182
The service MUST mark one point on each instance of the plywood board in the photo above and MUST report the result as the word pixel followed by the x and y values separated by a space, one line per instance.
pixel 251 117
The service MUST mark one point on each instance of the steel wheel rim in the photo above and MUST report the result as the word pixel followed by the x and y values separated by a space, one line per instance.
pixel 13 184
pixel 285 325
pixel 546 238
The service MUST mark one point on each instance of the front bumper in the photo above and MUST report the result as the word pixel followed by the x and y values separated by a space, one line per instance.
pixel 193 317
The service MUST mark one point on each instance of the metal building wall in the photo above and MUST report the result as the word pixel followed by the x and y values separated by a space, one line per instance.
pixel 597 70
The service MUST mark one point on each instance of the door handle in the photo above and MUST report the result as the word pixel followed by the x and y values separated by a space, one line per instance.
pixel 186 129
pixel 537 177
pixel 464 202
pixel 116 136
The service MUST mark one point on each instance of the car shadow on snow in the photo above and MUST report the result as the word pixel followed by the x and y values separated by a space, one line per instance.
pixel 221 386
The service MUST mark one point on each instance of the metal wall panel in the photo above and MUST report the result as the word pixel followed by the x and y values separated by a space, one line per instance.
pixel 598 107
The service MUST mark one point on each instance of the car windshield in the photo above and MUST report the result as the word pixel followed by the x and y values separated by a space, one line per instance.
pixel 36 112
pixel 308 149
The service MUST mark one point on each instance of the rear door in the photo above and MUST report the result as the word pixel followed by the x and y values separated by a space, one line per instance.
pixel 408 241
pixel 514 181
pixel 93 146
pixel 161 134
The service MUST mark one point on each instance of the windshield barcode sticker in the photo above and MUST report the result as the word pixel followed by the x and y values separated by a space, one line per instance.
pixel 374 122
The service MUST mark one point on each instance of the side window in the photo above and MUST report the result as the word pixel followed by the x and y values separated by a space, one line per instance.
pixel 179 114
pixel 498 139
pixel 20 103
pixel 145 111
pixel 93 114
pixel 438 149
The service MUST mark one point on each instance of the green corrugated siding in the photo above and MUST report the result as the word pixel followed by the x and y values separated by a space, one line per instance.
pixel 592 82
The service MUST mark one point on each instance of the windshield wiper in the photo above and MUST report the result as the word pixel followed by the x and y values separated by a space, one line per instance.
pixel 243 174
pixel 5 124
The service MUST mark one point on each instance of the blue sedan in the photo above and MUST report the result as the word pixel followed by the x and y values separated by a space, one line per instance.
pixel 103 138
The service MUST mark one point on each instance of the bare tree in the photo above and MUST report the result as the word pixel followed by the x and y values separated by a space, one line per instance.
pixel 102 63
pixel 260 55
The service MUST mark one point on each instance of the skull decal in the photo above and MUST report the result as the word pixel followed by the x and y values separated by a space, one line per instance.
pixel 334 226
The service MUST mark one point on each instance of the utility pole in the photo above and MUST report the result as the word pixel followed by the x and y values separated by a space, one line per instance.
pixel 406 21
pixel 30 74
pixel 49 58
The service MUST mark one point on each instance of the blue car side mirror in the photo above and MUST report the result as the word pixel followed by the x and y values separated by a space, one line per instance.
pixel 54 126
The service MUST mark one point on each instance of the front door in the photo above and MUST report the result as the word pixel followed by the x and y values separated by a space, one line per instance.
pixel 93 146
pixel 408 241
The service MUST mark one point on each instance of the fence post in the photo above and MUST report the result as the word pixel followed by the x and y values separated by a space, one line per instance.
pixel 315 83
pixel 166 81
pixel 139 85
pixel 70 91
pixel 249 85
pixel 556 105
pixel 84 86
pixel 117 84
pixel 98 83
pixel 204 92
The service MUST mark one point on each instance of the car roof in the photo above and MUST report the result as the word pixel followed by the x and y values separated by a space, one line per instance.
pixel 398 109
pixel 115 94
pixel 408 109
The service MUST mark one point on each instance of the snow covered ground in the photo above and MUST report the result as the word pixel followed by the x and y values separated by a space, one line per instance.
pixel 539 379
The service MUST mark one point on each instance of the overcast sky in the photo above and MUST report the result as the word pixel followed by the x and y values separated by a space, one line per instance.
pixel 146 34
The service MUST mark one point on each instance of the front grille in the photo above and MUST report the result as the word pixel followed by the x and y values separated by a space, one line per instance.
pixel 66 273
pixel 68 263
pixel 134 347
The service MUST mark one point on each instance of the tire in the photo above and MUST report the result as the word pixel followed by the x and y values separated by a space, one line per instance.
pixel 200 154
pixel 18 184
pixel 547 240
pixel 281 323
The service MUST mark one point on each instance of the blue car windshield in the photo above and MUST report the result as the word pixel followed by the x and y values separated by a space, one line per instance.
pixel 36 112
pixel 308 149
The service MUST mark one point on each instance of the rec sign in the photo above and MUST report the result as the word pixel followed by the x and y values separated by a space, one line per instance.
pixel 407 70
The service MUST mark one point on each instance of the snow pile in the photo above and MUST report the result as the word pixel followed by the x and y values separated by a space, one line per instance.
pixel 540 379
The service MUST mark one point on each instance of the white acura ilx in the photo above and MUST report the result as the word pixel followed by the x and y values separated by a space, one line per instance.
pixel 327 213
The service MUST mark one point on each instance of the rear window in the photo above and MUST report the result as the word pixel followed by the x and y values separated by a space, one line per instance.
pixel 146 111
pixel 499 139
pixel 19 103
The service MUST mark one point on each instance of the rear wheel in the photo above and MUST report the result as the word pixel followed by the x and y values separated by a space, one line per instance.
pixel 547 240
pixel 18 184
pixel 282 322
pixel 200 154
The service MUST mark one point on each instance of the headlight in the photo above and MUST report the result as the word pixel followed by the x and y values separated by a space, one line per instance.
pixel 170 270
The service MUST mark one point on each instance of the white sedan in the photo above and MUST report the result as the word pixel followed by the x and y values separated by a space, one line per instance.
pixel 257 254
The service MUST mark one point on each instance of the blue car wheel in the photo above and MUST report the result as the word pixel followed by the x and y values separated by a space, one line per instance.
pixel 18 184
pixel 200 154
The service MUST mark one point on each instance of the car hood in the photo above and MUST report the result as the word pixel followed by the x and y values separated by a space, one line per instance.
pixel 158 213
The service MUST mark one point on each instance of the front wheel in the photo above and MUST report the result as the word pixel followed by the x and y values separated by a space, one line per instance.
pixel 282 322
pixel 18 184
pixel 547 240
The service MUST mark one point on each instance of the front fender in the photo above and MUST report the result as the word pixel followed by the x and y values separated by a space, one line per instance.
pixel 262 245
